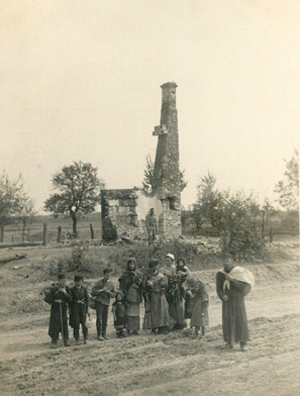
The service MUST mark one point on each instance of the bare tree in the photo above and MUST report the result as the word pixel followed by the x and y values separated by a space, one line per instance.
pixel 10 196
pixel 26 214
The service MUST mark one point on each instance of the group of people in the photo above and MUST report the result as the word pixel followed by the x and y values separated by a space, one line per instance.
pixel 171 295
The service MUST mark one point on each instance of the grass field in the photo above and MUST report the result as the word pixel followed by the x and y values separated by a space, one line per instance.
pixel 14 232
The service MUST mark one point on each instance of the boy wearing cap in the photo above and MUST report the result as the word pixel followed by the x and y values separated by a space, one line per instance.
pixel 59 297
pixel 79 308
pixel 103 290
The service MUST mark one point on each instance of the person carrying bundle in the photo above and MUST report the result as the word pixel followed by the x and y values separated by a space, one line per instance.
pixel 233 283
pixel 130 283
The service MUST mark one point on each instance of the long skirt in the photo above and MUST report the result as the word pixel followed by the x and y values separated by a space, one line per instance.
pixel 159 308
pixel 133 316
pixel 177 313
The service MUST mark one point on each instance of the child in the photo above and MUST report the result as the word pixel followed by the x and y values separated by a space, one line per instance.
pixel 119 312
pixel 79 308
pixel 199 296
pixel 103 291
pixel 59 296
pixel 182 269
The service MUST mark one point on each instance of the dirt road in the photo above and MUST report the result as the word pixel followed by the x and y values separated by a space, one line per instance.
pixel 165 364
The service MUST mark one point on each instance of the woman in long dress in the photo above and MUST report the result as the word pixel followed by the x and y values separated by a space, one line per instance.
pixel 158 310
pixel 130 284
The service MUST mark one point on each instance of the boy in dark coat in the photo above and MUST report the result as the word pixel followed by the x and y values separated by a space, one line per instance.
pixel 119 312
pixel 59 296
pixel 79 308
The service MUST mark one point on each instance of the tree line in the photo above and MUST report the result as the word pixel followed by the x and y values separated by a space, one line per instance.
pixel 233 215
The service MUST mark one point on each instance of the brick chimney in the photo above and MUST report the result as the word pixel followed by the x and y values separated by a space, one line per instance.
pixel 166 166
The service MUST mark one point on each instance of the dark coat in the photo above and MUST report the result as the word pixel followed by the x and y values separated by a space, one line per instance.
pixel 234 317
pixel 52 296
pixel 79 306
pixel 119 310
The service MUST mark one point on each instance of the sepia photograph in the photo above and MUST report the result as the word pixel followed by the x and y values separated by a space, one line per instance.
pixel 149 197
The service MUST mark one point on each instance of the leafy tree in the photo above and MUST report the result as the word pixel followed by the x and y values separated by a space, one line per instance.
pixel 267 211
pixel 150 182
pixel 11 192
pixel 241 226
pixel 78 191
pixel 209 203
pixel 288 189
pixel 236 216
pixel 149 179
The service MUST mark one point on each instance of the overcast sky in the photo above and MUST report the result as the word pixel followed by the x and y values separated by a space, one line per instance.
pixel 81 80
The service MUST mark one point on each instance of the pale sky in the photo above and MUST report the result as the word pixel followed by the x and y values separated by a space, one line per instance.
pixel 81 80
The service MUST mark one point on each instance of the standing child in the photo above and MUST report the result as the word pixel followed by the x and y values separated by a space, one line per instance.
pixel 119 312
pixel 200 307
pixel 59 296
pixel 103 291
pixel 79 308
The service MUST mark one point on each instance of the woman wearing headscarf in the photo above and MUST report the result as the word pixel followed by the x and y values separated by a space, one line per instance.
pixel 155 284
pixel 130 283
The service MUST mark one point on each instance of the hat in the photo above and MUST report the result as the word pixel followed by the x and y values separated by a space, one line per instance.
pixel 171 256
pixel 181 259
pixel 153 263
pixel 106 270
pixel 61 275
pixel 78 277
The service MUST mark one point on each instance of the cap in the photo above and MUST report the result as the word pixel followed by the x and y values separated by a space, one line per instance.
pixel 106 270
pixel 153 263
pixel 78 277
pixel 61 275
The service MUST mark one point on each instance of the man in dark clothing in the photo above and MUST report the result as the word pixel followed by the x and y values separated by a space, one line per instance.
pixel 59 296
pixel 151 226
pixel 79 308
pixel 103 290
pixel 234 318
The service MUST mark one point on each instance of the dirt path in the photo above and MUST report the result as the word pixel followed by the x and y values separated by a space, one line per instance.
pixel 160 365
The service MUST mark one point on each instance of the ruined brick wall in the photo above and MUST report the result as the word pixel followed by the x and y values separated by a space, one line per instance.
pixel 126 210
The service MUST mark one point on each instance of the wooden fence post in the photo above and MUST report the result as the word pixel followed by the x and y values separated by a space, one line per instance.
pixel 58 234
pixel 45 235
pixel 92 232
pixel 271 234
